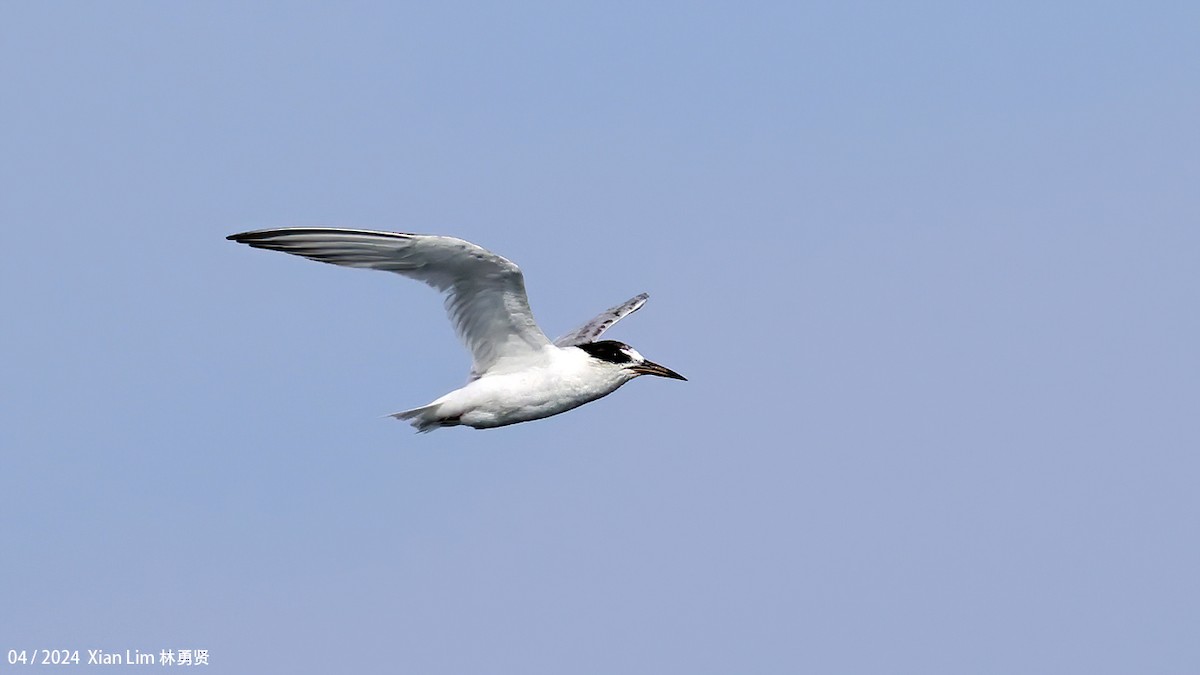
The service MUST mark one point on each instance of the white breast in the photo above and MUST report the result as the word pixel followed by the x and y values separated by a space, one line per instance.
pixel 567 379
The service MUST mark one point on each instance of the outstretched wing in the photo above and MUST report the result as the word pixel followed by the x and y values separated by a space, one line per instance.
pixel 593 329
pixel 485 293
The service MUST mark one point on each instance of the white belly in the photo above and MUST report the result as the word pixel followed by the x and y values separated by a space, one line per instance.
pixel 567 380
pixel 519 397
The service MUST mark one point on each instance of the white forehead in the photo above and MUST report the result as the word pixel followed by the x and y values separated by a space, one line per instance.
pixel 633 353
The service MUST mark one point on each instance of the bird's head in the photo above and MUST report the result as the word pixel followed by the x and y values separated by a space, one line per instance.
pixel 618 355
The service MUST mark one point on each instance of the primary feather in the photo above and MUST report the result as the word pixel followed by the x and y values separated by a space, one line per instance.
pixel 593 329
pixel 485 293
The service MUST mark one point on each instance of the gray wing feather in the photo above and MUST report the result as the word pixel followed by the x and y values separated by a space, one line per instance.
pixel 485 293
pixel 593 329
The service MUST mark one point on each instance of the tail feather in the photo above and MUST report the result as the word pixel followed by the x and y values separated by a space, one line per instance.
pixel 426 418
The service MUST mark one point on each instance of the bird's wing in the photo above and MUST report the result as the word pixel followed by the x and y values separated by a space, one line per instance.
pixel 591 330
pixel 485 293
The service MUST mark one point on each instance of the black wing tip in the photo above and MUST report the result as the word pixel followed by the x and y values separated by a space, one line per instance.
pixel 252 235
pixel 255 235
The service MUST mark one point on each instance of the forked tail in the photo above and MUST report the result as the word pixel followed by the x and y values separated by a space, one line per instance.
pixel 426 418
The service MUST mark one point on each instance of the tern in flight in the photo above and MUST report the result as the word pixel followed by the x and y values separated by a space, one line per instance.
pixel 518 374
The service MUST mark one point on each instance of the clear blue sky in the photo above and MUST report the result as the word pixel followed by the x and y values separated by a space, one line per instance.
pixel 931 268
